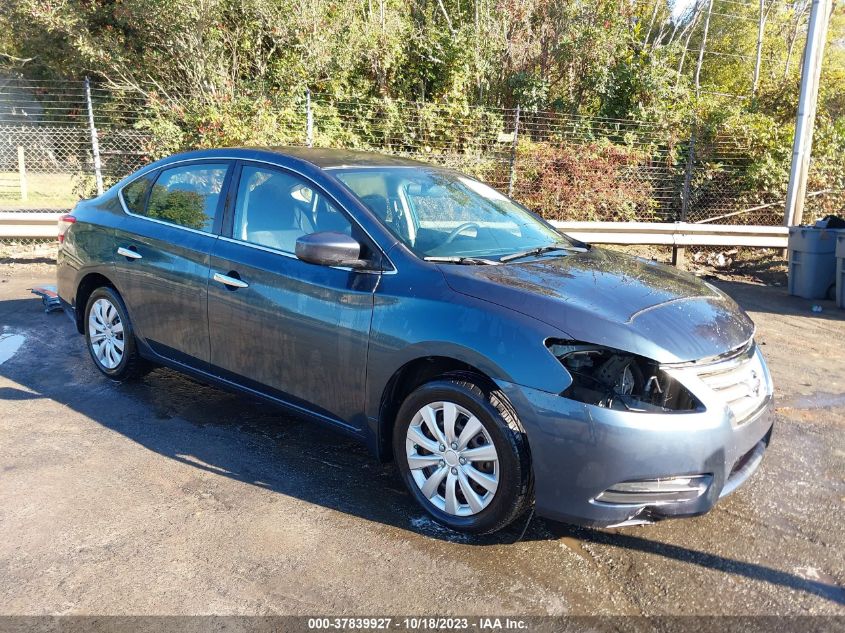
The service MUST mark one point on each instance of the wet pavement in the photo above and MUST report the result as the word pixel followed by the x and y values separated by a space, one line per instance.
pixel 167 496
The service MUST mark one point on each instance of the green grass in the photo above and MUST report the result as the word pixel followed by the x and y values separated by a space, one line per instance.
pixel 45 191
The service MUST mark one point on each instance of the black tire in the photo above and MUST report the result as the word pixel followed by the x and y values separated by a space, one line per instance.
pixel 131 364
pixel 482 399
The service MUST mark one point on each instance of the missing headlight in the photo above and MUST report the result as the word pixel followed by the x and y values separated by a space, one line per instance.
pixel 614 379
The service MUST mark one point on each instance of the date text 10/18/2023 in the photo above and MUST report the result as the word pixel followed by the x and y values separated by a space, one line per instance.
pixel 417 623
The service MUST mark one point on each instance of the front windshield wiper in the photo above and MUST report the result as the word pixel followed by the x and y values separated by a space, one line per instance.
pixel 542 249
pixel 462 260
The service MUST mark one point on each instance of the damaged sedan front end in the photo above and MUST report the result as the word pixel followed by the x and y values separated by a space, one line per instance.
pixel 666 402
pixel 645 441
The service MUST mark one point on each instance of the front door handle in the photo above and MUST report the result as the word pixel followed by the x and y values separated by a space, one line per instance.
pixel 232 282
pixel 128 252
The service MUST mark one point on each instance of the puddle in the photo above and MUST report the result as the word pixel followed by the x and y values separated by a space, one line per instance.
pixel 577 546
pixel 9 345
pixel 432 528
pixel 815 401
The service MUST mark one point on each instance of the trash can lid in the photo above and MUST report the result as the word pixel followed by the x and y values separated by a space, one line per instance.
pixel 809 239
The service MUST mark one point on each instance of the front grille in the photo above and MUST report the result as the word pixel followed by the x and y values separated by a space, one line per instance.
pixel 739 380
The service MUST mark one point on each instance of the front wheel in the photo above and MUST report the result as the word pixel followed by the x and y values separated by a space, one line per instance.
pixel 463 454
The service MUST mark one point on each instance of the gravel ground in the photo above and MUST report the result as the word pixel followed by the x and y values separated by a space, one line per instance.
pixel 167 496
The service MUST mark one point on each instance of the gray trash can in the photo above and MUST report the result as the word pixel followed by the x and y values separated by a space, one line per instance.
pixel 812 261
pixel 840 269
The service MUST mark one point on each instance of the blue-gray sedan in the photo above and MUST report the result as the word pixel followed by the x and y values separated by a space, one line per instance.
pixel 500 363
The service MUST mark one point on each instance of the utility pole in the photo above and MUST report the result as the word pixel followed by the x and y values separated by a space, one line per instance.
pixel 806 117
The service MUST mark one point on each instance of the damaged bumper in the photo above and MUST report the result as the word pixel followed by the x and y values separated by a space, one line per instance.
pixel 603 467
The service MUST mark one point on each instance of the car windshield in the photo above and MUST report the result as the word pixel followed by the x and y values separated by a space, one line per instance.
pixel 440 214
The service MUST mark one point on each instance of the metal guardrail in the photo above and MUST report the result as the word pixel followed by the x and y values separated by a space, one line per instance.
pixel 679 234
pixel 18 225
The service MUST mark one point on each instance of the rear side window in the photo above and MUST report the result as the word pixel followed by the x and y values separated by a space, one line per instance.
pixel 135 194
pixel 187 196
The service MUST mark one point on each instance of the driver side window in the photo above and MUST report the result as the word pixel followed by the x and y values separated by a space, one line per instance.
pixel 275 208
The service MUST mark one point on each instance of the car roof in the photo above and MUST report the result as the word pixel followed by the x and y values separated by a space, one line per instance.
pixel 337 158
pixel 315 158
pixel 321 158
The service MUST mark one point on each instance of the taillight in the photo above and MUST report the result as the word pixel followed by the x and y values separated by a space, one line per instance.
pixel 64 224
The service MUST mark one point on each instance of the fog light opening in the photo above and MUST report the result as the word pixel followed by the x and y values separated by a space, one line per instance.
pixel 656 491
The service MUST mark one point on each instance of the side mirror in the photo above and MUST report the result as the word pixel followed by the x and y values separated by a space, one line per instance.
pixel 327 248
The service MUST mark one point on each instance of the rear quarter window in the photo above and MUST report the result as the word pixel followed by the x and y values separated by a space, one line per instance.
pixel 135 194
pixel 185 196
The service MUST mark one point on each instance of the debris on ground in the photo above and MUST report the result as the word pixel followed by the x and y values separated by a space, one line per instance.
pixel 49 297
pixel 715 260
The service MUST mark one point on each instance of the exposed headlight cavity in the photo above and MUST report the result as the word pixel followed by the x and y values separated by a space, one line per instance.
pixel 614 379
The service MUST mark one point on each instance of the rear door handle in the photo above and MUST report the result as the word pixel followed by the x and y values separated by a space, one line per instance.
pixel 232 282
pixel 128 252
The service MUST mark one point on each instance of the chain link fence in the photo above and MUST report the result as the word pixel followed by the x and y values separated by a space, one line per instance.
pixel 47 167
pixel 565 167
pixel 47 158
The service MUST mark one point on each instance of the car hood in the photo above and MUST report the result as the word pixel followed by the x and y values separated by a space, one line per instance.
pixel 612 299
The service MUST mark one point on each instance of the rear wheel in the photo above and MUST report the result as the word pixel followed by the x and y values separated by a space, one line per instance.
pixel 463 454
pixel 109 335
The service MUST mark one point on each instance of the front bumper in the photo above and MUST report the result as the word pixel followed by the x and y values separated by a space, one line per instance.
pixel 579 451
